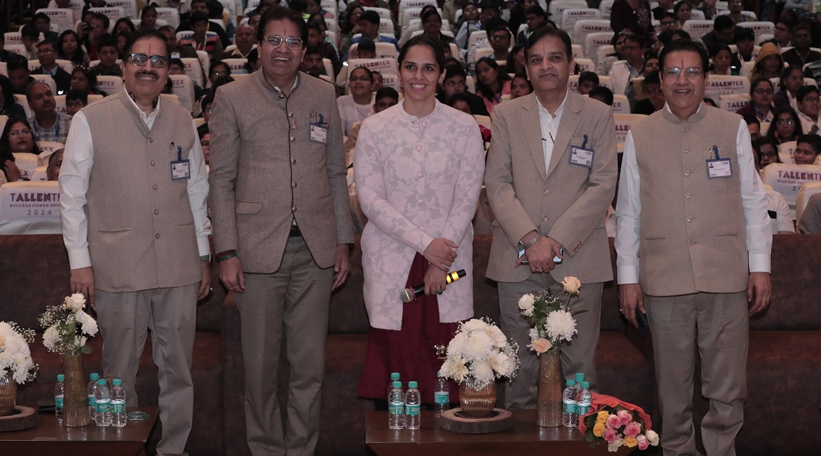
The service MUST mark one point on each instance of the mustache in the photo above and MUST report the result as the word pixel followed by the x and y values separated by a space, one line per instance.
pixel 148 73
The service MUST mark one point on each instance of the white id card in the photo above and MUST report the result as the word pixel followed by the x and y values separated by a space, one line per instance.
pixel 581 157
pixel 319 133
pixel 180 169
pixel 719 168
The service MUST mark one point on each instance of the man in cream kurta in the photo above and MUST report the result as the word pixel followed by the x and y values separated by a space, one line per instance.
pixel 551 174
pixel 142 227
pixel 693 208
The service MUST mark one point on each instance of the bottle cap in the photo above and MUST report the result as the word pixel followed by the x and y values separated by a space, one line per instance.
pixel 571 382
pixel 439 375
pixel 117 382
pixel 94 376
pixel 412 384
pixel 61 377
pixel 579 377
pixel 101 381
pixel 394 376
pixel 397 384
pixel 585 384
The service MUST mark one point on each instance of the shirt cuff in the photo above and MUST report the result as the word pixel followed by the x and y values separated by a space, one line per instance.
pixel 759 262
pixel 627 274
pixel 79 259
pixel 203 246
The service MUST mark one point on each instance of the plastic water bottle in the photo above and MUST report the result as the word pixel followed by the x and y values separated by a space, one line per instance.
pixel 92 387
pixel 59 395
pixel 569 417
pixel 396 407
pixel 102 400
pixel 394 378
pixel 118 415
pixel 413 407
pixel 579 380
pixel 441 395
pixel 584 401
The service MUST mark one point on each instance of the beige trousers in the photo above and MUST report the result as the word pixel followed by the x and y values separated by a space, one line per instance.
pixel 713 327
pixel 579 355
pixel 171 314
pixel 293 302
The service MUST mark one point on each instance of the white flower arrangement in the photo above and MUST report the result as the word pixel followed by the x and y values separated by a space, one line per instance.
pixel 480 354
pixel 551 320
pixel 68 327
pixel 15 355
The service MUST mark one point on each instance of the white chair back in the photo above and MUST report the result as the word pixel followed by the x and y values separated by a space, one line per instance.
pixel 557 7
pixel 749 16
pixel 584 27
pixel 193 70
pixel 733 102
pixel 785 151
pixel 18 49
pixel 382 12
pixel 237 66
pixel 577 51
pixel 621 105
pixel 483 52
pixel 697 28
pixel 129 7
pixel 726 85
pixel 169 15
pixel 183 88
pixel 605 7
pixel 571 15
pixel 476 36
pixel 30 208
pixel 697 15
pixel 804 193
pixel 405 5
pixel 594 42
pixel 48 80
pixel 392 81
pixel 46 149
pixel 63 18
pixel 386 25
pixel 59 105
pixel 21 100
pixel 383 65
pixel 26 162
pixel 787 179
pixel 111 85
pixel 171 98
pixel 623 124
pixel 760 28
pixel 585 65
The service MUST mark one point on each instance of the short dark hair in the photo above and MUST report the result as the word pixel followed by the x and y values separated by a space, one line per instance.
pixel 537 10
pixel 386 92
pixel 104 18
pixel 177 62
pixel 313 25
pixel 799 27
pixel 430 12
pixel 8 90
pixel 196 17
pixel 454 69
pixel 108 41
pixel 30 31
pixel 144 34
pixel 278 13
pixel 638 39
pixel 459 96
pixel 207 99
pixel 758 81
pixel 76 94
pixel 604 92
pixel 367 71
pixel 215 9
pixel 812 139
pixel 166 28
pixel 366 44
pixel 45 42
pixel 310 50
pixel 752 120
pixel 588 76
pixel 423 40
pixel 202 130
pixel 40 15
pixel 90 75
pixel 370 16
pixel 684 46
pixel 496 24
pixel 804 91
pixel 147 8
pixel 764 140
pixel 545 32
pixel 17 62
pixel 652 77
pixel 216 63
pixel 723 22
pixel 744 33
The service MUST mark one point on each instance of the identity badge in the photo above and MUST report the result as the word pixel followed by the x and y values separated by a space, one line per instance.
pixel 318 128
pixel 180 169
pixel 719 167
pixel 582 156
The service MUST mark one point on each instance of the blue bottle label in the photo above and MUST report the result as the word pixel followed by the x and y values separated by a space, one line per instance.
pixel 582 409
pixel 570 407
pixel 119 407
pixel 58 401
pixel 102 406
pixel 441 398
pixel 91 400
pixel 396 408
pixel 413 410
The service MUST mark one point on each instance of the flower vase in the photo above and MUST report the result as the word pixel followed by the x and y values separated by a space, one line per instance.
pixel 8 394
pixel 477 402
pixel 75 400
pixel 549 400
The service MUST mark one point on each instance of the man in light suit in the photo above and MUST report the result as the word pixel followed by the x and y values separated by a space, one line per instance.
pixel 551 174
pixel 282 227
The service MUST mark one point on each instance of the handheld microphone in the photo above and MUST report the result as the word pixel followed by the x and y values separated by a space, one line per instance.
pixel 408 294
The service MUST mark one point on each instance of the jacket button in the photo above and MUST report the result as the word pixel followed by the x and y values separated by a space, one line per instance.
pixel 293 185
pixel 692 242
pixel 157 236
pixel 688 196
pixel 156 211
pixel 419 174
pixel 546 192
pixel 687 173
pixel 151 140
pixel 420 202
pixel 152 163
pixel 686 151
pixel 689 218
pixel 154 187
pixel 290 114
pixel 293 161
pixel 293 139
pixel 544 218
pixel 293 209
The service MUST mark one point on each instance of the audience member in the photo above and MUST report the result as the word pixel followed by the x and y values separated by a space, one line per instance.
pixel 633 16
pixel 761 101
pixel 107 52
pixel 667 23
pixel 491 82
pixel 808 105
pixel 148 17
pixel 754 126
pixel 683 12
pixel 451 7
pixel 767 151
pixel 48 66
pixel 710 102
pixel 349 26
pixel 316 38
pixel 651 62
pixel 121 40
pixel 623 71
pixel 369 29
pixel 663 8
pixel 312 61
pixel 807 149
pixel 378 81
pixel 17 137
pixel 244 39
pixel 603 94
pixel 810 222
pixel 177 51
pixel 653 95
pixel 455 82
pixel 500 38
pixel 85 80
pixel 792 79
pixel 253 20
pixel 588 80
pixel 536 18
pixel 801 54
pixel 55 161
pixel 803 10
pixel 460 102
pixel 4 54
pixel 43 24
pixel 75 101
pixel 200 40
pixel 356 107
pixel 745 42
pixel 493 24
pixel 603 67
pixel 735 7
pixel 384 99
pixel 516 60
pixel 47 123
pixel 432 27
pixel 124 24
pixel 489 11
pixel 217 22
pixel 218 70
pixel 722 61
pixel 297 236
pixel 768 64
pixel 97 28
pixel 206 103
pixel 786 126
pixel 723 33
pixel 29 37
pixel 18 70
pixel 781 34
pixel 668 36
pixel 254 63
pixel 8 103
pixel 205 144
pixel 709 9
pixel 520 86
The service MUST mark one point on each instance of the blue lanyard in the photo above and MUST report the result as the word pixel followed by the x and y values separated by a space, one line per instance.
pixel 760 114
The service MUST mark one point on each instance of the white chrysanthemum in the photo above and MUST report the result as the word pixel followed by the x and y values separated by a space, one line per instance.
pixel 458 369
pixel 457 345
pixel 526 302
pixel 89 325
pixel 478 346
pixel 482 371
pixel 502 364
pixel 473 325
pixel 560 325
pixel 499 339
pixel 50 338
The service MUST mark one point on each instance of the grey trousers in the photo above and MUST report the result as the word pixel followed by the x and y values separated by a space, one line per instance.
pixel 171 314
pixel 293 302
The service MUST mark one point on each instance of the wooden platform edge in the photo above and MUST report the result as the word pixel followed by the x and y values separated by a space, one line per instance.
pixel 23 418
pixel 502 420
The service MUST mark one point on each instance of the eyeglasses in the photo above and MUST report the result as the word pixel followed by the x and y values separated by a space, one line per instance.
pixel 811 100
pixel 157 61
pixel 360 79
pixel 763 91
pixel 689 73
pixel 499 37
pixel 276 40
pixel 47 51
pixel 16 133
pixel 205 143
pixel 75 103
pixel 667 23
pixel 785 121
pixel 769 154
pixel 220 74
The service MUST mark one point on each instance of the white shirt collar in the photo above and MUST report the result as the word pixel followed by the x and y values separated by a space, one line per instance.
pixel 148 118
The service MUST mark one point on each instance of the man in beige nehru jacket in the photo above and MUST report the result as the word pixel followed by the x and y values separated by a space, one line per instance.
pixel 282 227
pixel 133 191
pixel 551 174
pixel 692 208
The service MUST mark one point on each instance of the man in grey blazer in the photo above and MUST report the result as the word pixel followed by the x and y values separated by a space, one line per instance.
pixel 551 174
pixel 282 227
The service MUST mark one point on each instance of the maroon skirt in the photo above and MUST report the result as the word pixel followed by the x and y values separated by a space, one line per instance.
pixel 409 351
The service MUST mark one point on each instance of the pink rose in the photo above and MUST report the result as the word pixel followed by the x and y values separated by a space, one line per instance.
pixel 610 435
pixel 541 345
pixel 613 421
pixel 625 417
pixel 632 429
pixel 642 442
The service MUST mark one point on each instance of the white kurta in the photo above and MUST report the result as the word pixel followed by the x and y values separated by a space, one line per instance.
pixel 417 179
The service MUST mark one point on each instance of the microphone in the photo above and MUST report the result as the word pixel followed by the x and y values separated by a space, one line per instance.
pixel 408 294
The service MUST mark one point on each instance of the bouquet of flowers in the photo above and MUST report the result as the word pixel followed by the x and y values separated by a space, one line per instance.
pixel 15 356
pixel 68 327
pixel 618 423
pixel 480 354
pixel 550 318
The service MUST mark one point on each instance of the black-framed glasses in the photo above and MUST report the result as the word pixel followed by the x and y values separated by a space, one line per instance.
pixel 157 61
pixel 291 42
pixel 785 122
pixel 689 73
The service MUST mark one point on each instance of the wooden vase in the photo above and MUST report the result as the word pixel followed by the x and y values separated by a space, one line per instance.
pixel 75 399
pixel 8 394
pixel 549 400
pixel 477 402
